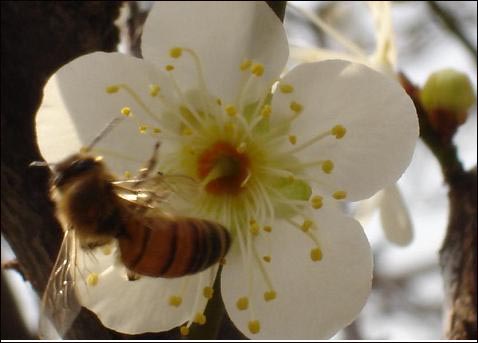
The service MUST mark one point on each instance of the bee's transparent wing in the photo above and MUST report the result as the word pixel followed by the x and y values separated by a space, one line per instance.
pixel 60 305
pixel 166 192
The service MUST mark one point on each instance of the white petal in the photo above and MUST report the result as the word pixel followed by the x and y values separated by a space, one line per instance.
pixel 85 108
pixel 135 307
pixel 223 34
pixel 379 117
pixel 396 221
pixel 314 299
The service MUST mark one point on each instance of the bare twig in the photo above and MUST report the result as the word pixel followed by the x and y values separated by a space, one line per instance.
pixel 451 24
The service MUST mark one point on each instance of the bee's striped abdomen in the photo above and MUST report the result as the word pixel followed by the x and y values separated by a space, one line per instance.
pixel 173 247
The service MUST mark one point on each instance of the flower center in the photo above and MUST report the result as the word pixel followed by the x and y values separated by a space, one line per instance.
pixel 223 169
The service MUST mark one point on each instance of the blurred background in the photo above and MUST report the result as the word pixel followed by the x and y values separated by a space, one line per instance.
pixel 407 297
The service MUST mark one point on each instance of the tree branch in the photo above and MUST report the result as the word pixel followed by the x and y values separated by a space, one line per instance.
pixel 458 255
pixel 451 24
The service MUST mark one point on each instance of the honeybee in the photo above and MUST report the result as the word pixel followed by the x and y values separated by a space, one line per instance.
pixel 95 208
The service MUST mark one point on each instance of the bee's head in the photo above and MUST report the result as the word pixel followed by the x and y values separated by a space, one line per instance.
pixel 73 167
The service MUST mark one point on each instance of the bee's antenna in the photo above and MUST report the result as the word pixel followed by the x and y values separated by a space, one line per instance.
pixel 103 133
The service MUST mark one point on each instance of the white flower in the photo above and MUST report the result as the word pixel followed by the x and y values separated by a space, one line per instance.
pixel 394 215
pixel 273 168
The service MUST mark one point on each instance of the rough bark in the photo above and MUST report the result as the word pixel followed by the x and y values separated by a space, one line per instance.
pixel 37 39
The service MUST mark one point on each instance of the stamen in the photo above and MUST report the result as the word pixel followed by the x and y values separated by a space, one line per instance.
pixel 254 326
pixel 327 166
pixel 175 52
pixel 153 90
pixel 169 67
pixel 143 128
pixel 267 228
pixel 306 225
pixel 338 131
pixel 200 319
pixel 208 292
pixel 257 69
pixel 317 202
pixel 267 258
pixel 316 254
pixel 156 130
pixel 242 303
pixel 92 279
pixel 112 89
pixel 270 295
pixel 296 107
pixel 127 174
pixel 175 300
pixel 246 64
pixel 184 330
pixel 292 139
pixel 126 111
pixel 231 110
pixel 286 88
pixel 340 195
pixel 106 249
pixel 254 229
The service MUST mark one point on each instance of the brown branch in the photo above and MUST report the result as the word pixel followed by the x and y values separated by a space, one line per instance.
pixel 458 255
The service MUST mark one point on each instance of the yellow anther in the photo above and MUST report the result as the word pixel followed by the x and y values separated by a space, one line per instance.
pixel 208 292
pixel 317 202
pixel 266 111
pixel 338 131
pixel 267 228
pixel 175 52
pixel 156 130
pixel 153 90
pixel 327 166
pixel 257 69
pixel 169 67
pixel 231 110
pixel 254 326
pixel 316 254
pixel 186 131
pixel 92 279
pixel 106 249
pixel 112 89
pixel 306 225
pixel 286 88
pixel 266 258
pixel 252 221
pixel 254 229
pixel 270 295
pixel 98 158
pixel 84 150
pixel 143 128
pixel 292 139
pixel 184 330
pixel 126 111
pixel 127 174
pixel 246 64
pixel 340 195
pixel 296 107
pixel 175 300
pixel 219 102
pixel 242 303
pixel 200 319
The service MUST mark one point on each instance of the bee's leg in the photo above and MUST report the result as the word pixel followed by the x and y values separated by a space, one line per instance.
pixel 132 276
pixel 144 172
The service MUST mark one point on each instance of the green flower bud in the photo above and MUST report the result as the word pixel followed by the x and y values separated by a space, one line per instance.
pixel 448 90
